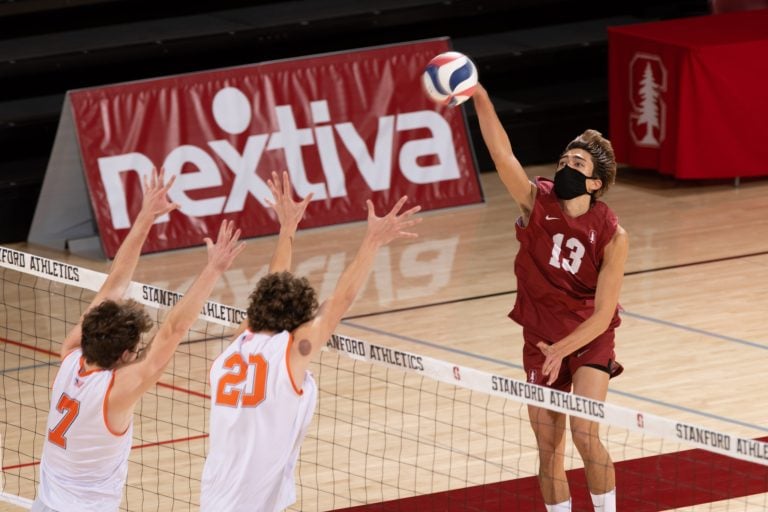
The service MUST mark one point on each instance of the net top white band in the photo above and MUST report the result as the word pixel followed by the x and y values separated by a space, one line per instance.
pixel 92 280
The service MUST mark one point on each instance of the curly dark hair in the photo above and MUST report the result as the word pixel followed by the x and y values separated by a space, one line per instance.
pixel 110 329
pixel 601 151
pixel 281 302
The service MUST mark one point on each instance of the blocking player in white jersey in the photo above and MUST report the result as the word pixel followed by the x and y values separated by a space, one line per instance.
pixel 263 395
pixel 89 430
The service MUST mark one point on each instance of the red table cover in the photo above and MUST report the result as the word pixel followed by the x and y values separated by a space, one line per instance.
pixel 689 97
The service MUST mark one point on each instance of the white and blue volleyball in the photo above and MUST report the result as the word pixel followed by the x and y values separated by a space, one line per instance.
pixel 450 78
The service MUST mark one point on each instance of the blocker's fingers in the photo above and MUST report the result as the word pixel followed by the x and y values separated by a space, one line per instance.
pixel 398 205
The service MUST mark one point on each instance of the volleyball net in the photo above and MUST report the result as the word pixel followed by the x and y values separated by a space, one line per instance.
pixel 393 430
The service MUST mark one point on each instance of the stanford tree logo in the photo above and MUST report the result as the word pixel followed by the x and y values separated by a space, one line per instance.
pixel 647 82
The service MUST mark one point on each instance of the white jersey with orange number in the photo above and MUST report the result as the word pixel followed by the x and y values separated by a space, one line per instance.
pixel 84 463
pixel 259 417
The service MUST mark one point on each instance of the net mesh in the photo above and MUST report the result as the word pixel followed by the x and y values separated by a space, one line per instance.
pixel 381 434
pixel 392 430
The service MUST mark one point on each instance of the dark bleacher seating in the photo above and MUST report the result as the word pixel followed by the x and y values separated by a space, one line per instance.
pixel 544 61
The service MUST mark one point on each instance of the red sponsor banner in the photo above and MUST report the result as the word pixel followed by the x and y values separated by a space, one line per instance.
pixel 346 126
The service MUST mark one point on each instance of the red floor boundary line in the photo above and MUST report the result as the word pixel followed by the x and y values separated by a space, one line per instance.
pixel 56 354
pixel 30 347
pixel 183 390
pixel 19 466
pixel 136 447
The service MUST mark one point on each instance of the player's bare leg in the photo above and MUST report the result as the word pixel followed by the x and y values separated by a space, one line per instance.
pixel 549 428
pixel 601 477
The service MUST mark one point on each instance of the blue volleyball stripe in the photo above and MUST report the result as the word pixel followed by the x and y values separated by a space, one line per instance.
pixel 432 72
pixel 461 74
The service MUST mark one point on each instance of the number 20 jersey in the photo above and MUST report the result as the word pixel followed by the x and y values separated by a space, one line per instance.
pixel 558 264
pixel 259 418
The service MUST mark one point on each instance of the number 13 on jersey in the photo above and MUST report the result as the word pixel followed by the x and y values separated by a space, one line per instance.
pixel 572 262
pixel 253 374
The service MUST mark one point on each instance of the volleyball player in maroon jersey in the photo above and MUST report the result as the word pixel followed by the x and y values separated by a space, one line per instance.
pixel 569 270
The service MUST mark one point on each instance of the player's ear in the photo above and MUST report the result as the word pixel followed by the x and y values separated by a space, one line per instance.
pixel 594 185
pixel 127 356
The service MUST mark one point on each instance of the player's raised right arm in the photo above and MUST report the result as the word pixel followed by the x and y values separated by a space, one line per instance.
pixel 497 141
pixel 132 380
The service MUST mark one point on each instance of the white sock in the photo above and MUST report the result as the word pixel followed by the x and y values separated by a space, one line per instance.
pixel 560 507
pixel 604 502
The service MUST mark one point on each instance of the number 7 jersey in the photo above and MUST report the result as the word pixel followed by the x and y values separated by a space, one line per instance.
pixel 258 420
pixel 558 264
pixel 84 463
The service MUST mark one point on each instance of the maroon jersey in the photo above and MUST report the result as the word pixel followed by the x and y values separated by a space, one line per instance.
pixel 558 264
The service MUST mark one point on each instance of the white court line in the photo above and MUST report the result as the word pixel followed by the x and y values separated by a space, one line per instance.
pixel 16 500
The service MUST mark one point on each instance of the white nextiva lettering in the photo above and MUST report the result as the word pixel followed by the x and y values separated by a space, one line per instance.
pixel 201 171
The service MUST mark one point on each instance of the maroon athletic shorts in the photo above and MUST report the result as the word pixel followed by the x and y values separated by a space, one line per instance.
pixel 598 354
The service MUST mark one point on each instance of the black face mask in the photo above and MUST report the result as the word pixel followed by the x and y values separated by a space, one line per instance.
pixel 570 183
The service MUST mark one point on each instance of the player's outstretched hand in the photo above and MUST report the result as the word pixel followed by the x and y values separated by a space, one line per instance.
pixel 382 230
pixel 222 253
pixel 155 200
pixel 289 212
